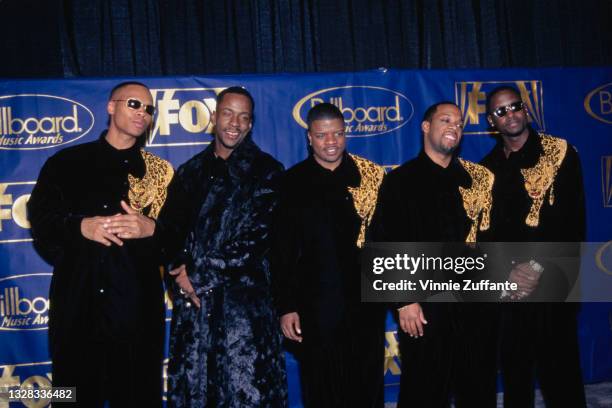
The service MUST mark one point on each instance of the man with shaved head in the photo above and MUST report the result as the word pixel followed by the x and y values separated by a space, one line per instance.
pixel 447 349
pixel 538 196
pixel 327 202
pixel 107 305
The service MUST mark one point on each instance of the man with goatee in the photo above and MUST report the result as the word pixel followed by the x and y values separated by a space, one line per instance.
pixel 447 349
pixel 538 196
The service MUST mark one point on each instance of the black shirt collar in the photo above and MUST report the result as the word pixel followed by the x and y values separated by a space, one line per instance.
pixel 239 162
pixel 434 167
pixel 527 156
pixel 346 173
pixel 131 157
pixel 454 174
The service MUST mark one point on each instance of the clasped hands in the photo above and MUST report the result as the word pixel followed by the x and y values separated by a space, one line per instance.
pixel 116 228
pixel 526 278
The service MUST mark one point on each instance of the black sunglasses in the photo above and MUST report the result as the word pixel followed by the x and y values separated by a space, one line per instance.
pixel 136 104
pixel 503 110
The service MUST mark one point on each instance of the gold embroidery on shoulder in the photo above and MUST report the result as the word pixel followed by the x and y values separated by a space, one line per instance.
pixel 365 196
pixel 478 198
pixel 152 188
pixel 541 177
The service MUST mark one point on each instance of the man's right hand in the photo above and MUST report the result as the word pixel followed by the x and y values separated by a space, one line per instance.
pixel 182 280
pixel 526 278
pixel 412 319
pixel 290 325
pixel 94 229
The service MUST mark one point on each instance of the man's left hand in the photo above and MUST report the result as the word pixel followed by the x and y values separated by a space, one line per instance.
pixel 130 225
pixel 526 278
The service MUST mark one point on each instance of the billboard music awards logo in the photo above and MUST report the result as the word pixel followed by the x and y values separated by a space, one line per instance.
pixel 598 103
pixel 14 224
pixel 368 110
pixel 183 114
pixel 24 304
pixel 32 121
pixel 472 96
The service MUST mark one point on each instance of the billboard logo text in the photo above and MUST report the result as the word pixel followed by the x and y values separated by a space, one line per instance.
pixel 32 121
pixel 23 302
pixel 367 110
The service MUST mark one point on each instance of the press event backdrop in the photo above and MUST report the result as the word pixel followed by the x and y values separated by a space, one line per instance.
pixel 382 110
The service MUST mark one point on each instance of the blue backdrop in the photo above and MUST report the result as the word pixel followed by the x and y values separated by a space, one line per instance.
pixel 382 110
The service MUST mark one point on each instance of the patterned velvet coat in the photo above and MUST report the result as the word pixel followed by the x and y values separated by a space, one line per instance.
pixel 227 353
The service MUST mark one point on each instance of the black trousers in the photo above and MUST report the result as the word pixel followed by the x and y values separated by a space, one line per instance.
pixel 345 369
pixel 539 341
pixel 124 374
pixel 455 359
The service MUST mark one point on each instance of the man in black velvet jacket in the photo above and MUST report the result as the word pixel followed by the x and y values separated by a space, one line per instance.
pixel 225 344
pixel 538 196
pixel 446 348
pixel 107 303
pixel 327 202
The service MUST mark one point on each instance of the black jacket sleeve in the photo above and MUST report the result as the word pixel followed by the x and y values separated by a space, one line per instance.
pixel 286 253
pixel 55 228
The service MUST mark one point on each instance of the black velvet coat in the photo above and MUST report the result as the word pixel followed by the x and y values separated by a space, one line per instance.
pixel 420 201
pixel 317 275
pixel 112 295
pixel 218 215
pixel 315 246
pixel 563 221
pixel 539 338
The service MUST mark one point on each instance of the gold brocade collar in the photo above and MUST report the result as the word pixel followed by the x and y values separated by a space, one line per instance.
pixel 366 194
pixel 478 198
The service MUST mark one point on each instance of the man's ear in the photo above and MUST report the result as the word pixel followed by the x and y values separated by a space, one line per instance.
pixel 425 126
pixel 490 120
pixel 110 107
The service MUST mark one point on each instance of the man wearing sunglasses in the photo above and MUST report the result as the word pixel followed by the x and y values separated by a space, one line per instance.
pixel 537 197
pixel 107 316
